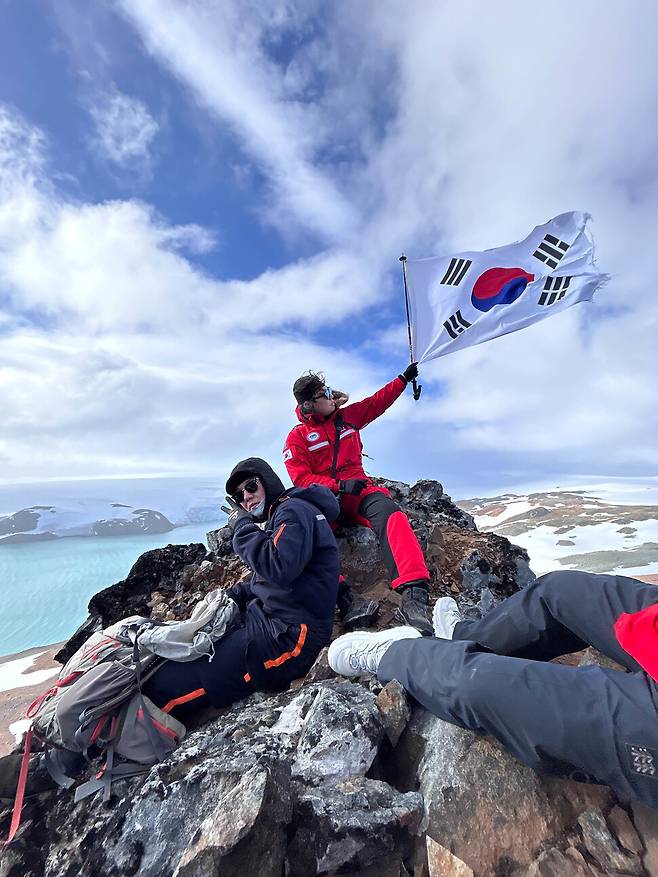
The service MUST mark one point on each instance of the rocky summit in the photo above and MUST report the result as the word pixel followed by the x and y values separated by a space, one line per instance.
pixel 334 776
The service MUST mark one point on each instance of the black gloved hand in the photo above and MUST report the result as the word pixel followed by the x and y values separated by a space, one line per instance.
pixel 352 485
pixel 410 372
pixel 235 513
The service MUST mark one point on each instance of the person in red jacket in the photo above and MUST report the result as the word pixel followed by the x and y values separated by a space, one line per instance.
pixel 325 448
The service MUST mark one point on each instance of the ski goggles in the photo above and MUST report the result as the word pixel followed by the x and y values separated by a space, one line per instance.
pixel 326 393
pixel 250 487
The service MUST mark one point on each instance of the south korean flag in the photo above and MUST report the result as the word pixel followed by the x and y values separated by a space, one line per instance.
pixel 468 298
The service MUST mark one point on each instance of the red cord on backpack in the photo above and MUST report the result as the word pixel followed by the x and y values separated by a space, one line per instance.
pixel 20 790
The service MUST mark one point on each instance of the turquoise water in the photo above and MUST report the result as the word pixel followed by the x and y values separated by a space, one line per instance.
pixel 45 586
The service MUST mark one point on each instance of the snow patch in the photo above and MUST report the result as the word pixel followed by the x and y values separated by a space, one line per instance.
pixel 13 673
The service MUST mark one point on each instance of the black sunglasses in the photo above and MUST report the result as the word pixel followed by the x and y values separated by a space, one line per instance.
pixel 250 487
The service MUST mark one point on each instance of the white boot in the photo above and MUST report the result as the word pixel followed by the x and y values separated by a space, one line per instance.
pixel 445 616
pixel 356 653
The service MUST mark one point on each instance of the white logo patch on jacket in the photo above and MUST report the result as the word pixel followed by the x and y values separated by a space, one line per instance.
pixel 287 454
pixel 312 436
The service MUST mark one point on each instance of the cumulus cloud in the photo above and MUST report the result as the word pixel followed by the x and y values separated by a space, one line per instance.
pixel 125 129
pixel 119 355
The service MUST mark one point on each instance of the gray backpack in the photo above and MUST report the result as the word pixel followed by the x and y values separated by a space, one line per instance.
pixel 97 699
pixel 97 702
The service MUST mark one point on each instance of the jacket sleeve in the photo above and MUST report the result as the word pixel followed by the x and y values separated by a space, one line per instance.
pixel 241 593
pixel 360 414
pixel 297 458
pixel 278 556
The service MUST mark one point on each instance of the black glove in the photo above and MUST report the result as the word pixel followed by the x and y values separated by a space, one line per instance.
pixel 352 485
pixel 235 513
pixel 410 372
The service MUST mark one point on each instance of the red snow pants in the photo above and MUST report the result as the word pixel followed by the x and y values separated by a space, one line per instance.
pixel 401 553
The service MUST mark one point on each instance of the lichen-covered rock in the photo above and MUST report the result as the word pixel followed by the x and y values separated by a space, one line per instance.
pixel 603 847
pixel 482 804
pixel 359 823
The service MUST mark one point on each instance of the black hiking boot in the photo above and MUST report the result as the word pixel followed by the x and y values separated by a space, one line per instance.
pixel 354 610
pixel 413 607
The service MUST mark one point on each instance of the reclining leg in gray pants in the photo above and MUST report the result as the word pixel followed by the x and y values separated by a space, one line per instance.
pixel 587 723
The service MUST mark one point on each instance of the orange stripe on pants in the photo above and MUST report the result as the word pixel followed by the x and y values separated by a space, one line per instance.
pixel 276 662
pixel 184 698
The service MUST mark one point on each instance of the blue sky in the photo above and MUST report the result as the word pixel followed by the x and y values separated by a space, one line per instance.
pixel 201 200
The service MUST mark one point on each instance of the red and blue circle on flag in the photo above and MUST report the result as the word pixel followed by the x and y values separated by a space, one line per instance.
pixel 499 286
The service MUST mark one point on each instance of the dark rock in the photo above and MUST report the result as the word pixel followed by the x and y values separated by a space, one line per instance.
pixel 393 704
pixel 320 669
pixel 355 824
pixel 603 847
pixel 480 803
pixel 619 821
pixel 646 824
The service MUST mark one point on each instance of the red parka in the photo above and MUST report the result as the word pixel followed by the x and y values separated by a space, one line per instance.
pixel 310 446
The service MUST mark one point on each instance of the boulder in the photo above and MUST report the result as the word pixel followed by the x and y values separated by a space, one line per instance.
pixel 482 804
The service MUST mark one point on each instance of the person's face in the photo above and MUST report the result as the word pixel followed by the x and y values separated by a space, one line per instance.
pixel 323 405
pixel 249 493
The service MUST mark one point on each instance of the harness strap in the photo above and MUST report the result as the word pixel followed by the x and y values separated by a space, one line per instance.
pixel 339 423
pixel 20 790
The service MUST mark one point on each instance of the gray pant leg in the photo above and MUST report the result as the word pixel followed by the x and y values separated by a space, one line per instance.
pixel 559 613
pixel 587 723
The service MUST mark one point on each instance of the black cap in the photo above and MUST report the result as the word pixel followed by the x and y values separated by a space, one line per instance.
pixel 307 386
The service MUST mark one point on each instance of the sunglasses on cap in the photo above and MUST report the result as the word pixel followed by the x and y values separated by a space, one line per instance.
pixel 326 393
pixel 251 487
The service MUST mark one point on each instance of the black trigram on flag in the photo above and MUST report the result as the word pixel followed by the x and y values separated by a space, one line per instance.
pixel 456 271
pixel 456 324
pixel 551 250
pixel 554 290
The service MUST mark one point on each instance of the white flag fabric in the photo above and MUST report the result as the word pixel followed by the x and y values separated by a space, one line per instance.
pixel 467 298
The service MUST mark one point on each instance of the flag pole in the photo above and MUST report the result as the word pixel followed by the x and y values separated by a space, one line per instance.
pixel 417 389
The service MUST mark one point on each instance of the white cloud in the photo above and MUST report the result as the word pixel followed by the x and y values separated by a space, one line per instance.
pixel 216 50
pixel 125 129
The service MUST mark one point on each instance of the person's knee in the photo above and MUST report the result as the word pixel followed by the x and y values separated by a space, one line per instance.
pixel 562 582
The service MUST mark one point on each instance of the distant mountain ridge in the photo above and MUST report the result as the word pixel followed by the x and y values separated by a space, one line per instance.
pixel 574 529
pixel 38 523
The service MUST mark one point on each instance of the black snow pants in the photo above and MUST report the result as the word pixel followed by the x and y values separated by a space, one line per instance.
pixel 265 656
pixel 590 723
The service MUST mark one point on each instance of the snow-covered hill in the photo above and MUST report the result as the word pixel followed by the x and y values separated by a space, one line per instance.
pixel 80 519
pixel 111 507
pixel 574 529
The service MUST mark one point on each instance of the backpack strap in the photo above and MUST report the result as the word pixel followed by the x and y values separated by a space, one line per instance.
pixel 20 790
pixel 61 778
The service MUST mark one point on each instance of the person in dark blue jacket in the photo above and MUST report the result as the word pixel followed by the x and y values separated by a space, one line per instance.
pixel 286 606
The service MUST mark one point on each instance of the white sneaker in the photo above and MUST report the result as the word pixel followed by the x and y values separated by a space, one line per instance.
pixel 356 653
pixel 445 616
